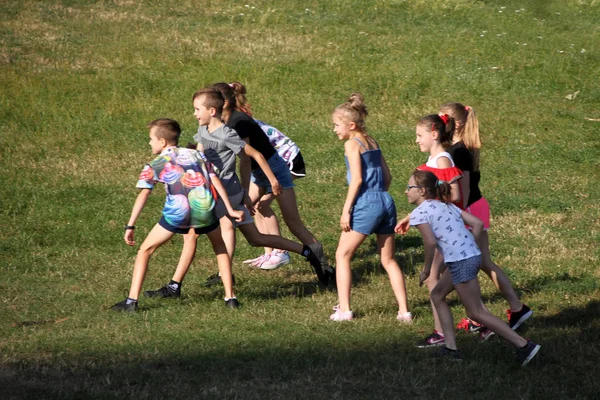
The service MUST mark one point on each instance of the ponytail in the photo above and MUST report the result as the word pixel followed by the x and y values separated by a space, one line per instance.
pixel 468 132
pixel 444 125
pixel 239 91
pixel 434 188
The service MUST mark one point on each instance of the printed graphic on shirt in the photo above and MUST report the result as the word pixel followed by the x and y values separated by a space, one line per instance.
pixel 285 147
pixel 186 175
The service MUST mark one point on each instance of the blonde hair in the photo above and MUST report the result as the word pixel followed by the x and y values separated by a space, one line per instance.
pixel 354 110
pixel 468 132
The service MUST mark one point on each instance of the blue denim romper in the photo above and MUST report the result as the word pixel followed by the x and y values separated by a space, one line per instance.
pixel 374 210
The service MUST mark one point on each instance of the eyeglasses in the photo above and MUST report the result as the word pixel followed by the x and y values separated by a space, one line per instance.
pixel 408 187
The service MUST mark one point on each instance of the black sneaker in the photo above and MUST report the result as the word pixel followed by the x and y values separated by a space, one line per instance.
pixel 232 303
pixel 433 340
pixel 320 264
pixel 526 354
pixel 123 306
pixel 166 292
pixel 446 354
pixel 517 318
pixel 216 280
pixel 486 333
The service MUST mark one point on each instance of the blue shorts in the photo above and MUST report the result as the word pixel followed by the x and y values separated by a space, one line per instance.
pixel 374 212
pixel 281 171
pixel 464 270
pixel 182 231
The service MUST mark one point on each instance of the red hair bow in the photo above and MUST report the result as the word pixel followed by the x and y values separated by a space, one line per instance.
pixel 444 118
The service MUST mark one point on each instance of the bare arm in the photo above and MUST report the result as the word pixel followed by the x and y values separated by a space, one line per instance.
pixel 264 165
pixel 475 223
pixel 352 150
pixel 138 206
pixel 238 215
pixel 429 245
pixel 387 174
pixel 465 187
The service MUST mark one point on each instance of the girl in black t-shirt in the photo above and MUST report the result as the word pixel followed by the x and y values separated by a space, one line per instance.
pixel 465 153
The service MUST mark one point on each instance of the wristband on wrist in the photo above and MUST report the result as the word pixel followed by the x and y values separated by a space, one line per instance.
pixel 128 227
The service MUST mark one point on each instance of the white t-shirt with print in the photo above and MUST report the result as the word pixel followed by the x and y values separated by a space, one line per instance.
pixel 453 239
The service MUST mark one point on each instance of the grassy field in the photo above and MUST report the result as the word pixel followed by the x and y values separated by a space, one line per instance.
pixel 79 81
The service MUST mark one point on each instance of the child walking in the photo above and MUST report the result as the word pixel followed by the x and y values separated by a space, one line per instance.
pixel 264 217
pixel 251 133
pixel 221 145
pixel 433 133
pixel 189 206
pixel 368 207
pixel 442 226
pixel 464 150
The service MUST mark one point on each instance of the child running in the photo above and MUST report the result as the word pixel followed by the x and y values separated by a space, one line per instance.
pixel 368 207
pixel 252 134
pixel 442 226
pixel 221 145
pixel 264 217
pixel 189 206
pixel 464 150
pixel 433 133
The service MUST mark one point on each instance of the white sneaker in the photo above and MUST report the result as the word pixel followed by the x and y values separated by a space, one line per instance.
pixel 276 260
pixel 258 261
pixel 405 318
pixel 341 315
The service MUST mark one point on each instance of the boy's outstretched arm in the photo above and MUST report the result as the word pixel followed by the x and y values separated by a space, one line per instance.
pixel 237 215
pixel 138 206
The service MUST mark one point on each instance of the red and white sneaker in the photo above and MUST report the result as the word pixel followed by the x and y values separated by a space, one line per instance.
pixel 469 326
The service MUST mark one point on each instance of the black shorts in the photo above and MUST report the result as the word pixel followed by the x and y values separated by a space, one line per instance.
pixel 182 231
pixel 297 167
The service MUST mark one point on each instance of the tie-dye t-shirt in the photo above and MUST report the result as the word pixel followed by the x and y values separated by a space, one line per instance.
pixel 186 175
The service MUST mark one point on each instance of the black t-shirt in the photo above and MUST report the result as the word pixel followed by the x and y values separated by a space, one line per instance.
pixel 464 160
pixel 246 127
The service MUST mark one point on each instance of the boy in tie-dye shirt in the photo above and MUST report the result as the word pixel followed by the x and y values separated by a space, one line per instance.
pixel 190 183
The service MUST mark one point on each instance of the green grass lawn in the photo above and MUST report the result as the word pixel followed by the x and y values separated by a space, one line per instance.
pixel 79 81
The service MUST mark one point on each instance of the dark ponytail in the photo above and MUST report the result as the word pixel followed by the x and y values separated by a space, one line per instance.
pixel 434 188
pixel 444 125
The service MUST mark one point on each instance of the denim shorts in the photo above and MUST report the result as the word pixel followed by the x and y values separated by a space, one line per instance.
pixel 464 270
pixel 374 212
pixel 182 231
pixel 281 171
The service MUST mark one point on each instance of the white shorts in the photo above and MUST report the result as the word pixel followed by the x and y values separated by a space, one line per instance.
pixel 237 202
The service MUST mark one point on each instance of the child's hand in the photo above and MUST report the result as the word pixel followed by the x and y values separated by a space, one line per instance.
pixel 128 237
pixel 237 215
pixel 403 226
pixel 276 188
pixel 423 277
pixel 345 222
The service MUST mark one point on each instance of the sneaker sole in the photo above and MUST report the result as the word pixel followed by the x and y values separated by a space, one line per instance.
pixel 426 346
pixel 522 320
pixel 271 267
pixel 531 355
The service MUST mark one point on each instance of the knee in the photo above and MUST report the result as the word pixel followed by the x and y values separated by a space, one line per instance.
pixel 437 296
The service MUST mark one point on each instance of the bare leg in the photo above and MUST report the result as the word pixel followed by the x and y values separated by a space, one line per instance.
pixel 223 259
pixel 227 230
pixel 187 256
pixel 438 297
pixel 431 282
pixel 255 238
pixel 497 275
pixel 387 249
pixel 470 295
pixel 157 237
pixel 289 211
pixel 349 242
pixel 265 218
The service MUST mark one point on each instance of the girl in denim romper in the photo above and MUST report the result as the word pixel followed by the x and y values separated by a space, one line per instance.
pixel 368 207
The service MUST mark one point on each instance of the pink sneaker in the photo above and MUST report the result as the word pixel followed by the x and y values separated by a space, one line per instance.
pixel 405 317
pixel 276 260
pixel 258 261
pixel 340 315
